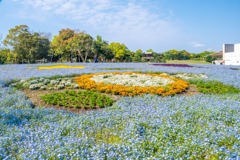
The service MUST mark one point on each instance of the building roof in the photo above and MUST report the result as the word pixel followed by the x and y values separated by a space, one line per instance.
pixel 148 52
pixel 218 54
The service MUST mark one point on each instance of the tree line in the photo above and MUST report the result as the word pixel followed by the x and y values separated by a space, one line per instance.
pixel 21 45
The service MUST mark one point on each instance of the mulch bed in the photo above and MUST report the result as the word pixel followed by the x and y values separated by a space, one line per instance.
pixel 35 97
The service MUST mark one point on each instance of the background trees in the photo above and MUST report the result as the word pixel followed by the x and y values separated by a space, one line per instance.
pixel 102 50
pixel 69 45
pixel 4 55
pixel 204 56
pixel 120 51
pixel 26 46
pixel 176 55
pixel 137 56
pixel 210 58
pixel 157 57
pixel 61 50
pixel 82 44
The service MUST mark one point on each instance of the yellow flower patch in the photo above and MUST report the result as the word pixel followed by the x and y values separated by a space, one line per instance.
pixel 60 67
pixel 175 87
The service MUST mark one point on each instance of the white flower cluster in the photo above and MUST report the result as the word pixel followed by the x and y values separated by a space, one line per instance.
pixel 190 76
pixel 47 84
pixel 142 80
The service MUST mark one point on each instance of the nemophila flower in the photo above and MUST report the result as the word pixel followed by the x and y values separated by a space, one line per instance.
pixel 140 127
pixel 220 73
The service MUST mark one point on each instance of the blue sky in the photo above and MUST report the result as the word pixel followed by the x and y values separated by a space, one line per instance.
pixel 193 25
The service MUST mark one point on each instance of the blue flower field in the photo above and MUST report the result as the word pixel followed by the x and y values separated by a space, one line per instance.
pixel 143 127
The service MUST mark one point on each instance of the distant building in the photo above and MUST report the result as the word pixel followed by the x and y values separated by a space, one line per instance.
pixel 231 54
pixel 218 55
pixel 147 56
pixel 218 62
pixel 219 58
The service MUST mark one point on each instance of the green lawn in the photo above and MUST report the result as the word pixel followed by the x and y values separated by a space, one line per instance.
pixel 186 62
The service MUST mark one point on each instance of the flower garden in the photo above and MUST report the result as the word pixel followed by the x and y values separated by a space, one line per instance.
pixel 127 111
pixel 131 84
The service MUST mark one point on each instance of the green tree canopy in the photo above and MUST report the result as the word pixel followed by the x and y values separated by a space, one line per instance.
pixel 205 53
pixel 82 43
pixel 60 44
pixel 6 56
pixel 176 55
pixel 210 58
pixel 137 56
pixel 150 50
pixel 101 49
pixel 120 51
pixel 202 55
pixel 27 46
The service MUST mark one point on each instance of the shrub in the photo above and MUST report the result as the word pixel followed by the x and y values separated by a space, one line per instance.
pixel 214 87
pixel 80 99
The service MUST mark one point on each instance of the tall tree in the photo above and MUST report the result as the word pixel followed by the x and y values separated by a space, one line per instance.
pixel 60 44
pixel 82 43
pixel 101 49
pixel 14 34
pixel 5 56
pixel 120 51
pixel 40 46
pixel 27 46
pixel 137 57
pixel 176 55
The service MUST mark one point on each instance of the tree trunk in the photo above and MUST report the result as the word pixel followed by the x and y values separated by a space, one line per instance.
pixel 86 55
pixel 80 55
pixel 51 58
pixel 71 57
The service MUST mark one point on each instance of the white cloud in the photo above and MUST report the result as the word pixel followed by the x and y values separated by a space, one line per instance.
pixel 197 44
pixel 131 22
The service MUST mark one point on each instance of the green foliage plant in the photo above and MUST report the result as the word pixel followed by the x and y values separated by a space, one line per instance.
pixel 214 87
pixel 78 100
pixel 210 58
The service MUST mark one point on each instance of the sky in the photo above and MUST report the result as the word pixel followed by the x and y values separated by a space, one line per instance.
pixel 161 25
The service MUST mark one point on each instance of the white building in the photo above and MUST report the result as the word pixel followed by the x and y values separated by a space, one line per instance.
pixel 231 54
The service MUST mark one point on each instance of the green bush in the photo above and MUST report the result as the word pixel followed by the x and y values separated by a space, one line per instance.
pixel 80 99
pixel 214 87
pixel 210 58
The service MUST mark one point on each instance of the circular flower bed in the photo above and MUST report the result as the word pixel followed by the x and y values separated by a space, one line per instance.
pixel 131 84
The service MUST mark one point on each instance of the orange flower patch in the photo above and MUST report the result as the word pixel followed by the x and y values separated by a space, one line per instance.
pixel 174 87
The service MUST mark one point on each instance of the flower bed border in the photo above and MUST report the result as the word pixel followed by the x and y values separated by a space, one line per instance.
pixel 177 86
